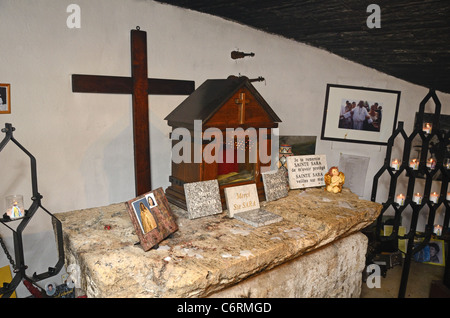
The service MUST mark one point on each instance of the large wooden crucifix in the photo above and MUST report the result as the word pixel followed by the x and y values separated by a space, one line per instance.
pixel 140 87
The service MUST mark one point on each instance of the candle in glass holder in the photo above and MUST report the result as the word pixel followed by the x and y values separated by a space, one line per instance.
pixel 427 128
pixel 447 163
pixel 434 197
pixel 431 163
pixel 14 206
pixel 400 199
pixel 437 229
pixel 414 163
pixel 395 164
pixel 417 198
pixel 448 196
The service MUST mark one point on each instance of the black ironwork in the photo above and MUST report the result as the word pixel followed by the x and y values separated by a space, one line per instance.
pixel 20 267
pixel 424 173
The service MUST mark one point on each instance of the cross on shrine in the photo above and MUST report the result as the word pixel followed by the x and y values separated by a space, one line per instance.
pixel 140 87
pixel 241 102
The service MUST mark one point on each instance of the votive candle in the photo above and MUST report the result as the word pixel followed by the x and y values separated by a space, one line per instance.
pixel 427 128
pixel 434 197
pixel 431 163
pixel 437 229
pixel 400 199
pixel 14 206
pixel 395 164
pixel 448 196
pixel 417 198
pixel 414 163
pixel 447 163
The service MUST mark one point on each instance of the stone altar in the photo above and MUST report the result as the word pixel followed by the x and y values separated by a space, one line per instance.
pixel 218 256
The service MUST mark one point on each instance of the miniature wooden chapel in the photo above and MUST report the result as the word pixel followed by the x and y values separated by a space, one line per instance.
pixel 222 103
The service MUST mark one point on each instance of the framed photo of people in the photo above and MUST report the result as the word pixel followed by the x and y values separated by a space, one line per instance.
pixel 359 114
pixel 432 253
pixel 5 98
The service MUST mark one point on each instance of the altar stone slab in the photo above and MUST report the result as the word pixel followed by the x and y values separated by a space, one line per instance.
pixel 210 254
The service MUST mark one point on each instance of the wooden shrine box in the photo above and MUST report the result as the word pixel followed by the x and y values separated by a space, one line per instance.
pixel 222 103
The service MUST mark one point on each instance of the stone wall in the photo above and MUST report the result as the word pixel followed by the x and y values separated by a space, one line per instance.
pixel 332 271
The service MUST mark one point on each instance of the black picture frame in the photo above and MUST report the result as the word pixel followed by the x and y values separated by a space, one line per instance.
pixel 5 98
pixel 381 106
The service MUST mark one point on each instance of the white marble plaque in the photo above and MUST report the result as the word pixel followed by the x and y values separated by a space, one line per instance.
pixel 275 184
pixel 241 198
pixel 306 171
pixel 202 198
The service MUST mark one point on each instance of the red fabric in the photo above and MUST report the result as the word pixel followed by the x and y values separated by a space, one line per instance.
pixel 227 167
pixel 33 290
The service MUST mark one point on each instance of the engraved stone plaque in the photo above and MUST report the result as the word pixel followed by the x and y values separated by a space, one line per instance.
pixel 275 184
pixel 306 171
pixel 241 198
pixel 202 198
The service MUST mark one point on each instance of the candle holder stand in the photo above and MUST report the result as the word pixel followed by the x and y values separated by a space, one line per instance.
pixel 19 265
pixel 411 175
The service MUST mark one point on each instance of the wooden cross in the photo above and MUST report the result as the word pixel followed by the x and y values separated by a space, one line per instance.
pixel 241 102
pixel 140 87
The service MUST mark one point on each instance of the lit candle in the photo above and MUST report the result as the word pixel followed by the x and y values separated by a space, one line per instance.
pixel 14 206
pixel 431 163
pixel 417 198
pixel 448 196
pixel 447 163
pixel 400 199
pixel 434 197
pixel 414 163
pixel 437 229
pixel 427 128
pixel 395 164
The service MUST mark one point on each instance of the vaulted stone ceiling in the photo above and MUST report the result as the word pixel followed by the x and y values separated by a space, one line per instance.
pixel 412 42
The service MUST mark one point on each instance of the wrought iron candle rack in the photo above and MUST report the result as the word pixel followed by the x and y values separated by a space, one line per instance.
pixel 423 173
pixel 19 266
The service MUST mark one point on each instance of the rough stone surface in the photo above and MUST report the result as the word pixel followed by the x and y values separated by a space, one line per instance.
pixel 258 217
pixel 331 271
pixel 207 254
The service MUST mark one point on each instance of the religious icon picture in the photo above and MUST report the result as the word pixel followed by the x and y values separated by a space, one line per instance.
pixel 152 218
pixel 144 215
pixel 5 98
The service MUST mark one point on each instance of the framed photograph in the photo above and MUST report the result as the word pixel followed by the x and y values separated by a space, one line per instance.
pixel 5 98
pixel 433 253
pixel 152 218
pixel 359 114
